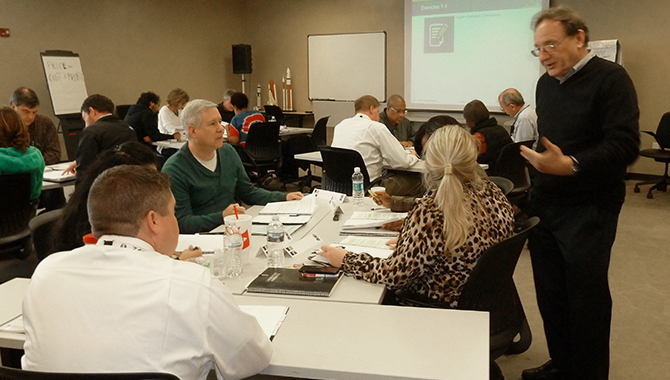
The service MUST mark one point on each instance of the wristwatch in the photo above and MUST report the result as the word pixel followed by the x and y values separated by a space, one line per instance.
pixel 576 168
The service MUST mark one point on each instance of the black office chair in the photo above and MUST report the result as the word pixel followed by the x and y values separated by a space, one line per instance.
pixel 320 132
pixel 503 183
pixel 338 166
pixel 274 114
pixel 262 152
pixel 122 110
pixel 16 211
pixel 299 145
pixel 491 288
pixel 513 166
pixel 662 137
pixel 40 229
pixel 7 373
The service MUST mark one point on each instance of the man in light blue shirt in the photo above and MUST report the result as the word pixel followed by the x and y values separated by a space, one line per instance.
pixel 525 118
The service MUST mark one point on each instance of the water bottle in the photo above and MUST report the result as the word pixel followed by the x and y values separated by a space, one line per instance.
pixel 233 255
pixel 357 186
pixel 275 243
pixel 218 265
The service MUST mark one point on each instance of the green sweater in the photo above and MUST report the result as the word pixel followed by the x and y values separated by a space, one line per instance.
pixel 202 195
pixel 13 161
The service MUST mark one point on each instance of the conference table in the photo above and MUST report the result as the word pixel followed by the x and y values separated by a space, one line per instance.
pixel 418 167
pixel 55 171
pixel 283 132
pixel 348 335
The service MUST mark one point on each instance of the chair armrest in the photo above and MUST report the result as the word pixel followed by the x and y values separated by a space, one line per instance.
pixel 650 134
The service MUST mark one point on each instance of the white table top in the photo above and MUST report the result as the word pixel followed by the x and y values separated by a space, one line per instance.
pixel 350 340
pixel 334 340
pixel 48 185
pixel 11 299
pixel 348 290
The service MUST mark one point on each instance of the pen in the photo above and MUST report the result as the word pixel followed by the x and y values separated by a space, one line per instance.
pixel 319 275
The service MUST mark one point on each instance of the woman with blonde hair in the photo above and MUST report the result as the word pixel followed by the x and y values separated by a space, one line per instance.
pixel 16 154
pixel 446 232
pixel 168 116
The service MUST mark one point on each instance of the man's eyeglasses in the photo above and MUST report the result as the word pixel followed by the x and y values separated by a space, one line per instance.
pixel 398 112
pixel 548 48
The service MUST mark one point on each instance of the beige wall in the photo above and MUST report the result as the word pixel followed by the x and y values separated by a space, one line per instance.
pixel 127 47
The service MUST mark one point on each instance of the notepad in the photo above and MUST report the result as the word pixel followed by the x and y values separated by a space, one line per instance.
pixel 58 176
pixel 305 206
pixel 269 317
pixel 291 282
pixel 14 326
pixel 362 219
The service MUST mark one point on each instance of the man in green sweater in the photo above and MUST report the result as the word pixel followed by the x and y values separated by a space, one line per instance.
pixel 207 175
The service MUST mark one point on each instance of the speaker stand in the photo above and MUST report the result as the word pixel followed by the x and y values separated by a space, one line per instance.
pixel 244 87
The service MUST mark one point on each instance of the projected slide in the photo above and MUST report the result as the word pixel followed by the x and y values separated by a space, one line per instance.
pixel 460 50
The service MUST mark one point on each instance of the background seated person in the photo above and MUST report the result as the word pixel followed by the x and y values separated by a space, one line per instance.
pixel 69 231
pixel 123 305
pixel 364 133
pixel 225 107
pixel 491 136
pixel 399 203
pixel 445 234
pixel 239 125
pixel 168 116
pixel 393 117
pixel 103 131
pixel 207 175
pixel 16 154
pixel 142 117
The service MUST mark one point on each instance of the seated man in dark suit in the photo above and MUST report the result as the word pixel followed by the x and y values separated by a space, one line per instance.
pixel 143 117
pixel 103 131
pixel 492 137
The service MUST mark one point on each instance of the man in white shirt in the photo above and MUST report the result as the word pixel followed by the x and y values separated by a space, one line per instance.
pixel 123 305
pixel 365 134
pixel 525 118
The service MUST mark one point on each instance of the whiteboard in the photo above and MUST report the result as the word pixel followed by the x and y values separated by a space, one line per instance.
pixel 65 81
pixel 346 66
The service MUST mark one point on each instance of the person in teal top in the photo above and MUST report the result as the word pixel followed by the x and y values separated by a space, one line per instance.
pixel 16 154
pixel 207 176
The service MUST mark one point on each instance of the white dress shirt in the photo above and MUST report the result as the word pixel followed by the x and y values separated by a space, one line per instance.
pixel 374 142
pixel 525 125
pixel 169 122
pixel 126 308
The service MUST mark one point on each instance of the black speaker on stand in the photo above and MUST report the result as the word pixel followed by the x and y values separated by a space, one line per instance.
pixel 242 62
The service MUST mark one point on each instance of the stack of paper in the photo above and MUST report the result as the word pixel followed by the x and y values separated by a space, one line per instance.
pixel 305 206
pixel 270 317
pixel 362 223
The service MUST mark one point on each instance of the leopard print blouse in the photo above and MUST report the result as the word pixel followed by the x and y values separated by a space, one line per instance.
pixel 419 264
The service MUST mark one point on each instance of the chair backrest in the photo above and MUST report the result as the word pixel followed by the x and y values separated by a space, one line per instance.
pixel 512 165
pixel 663 131
pixel 40 228
pixel 15 205
pixel 263 142
pixel 7 373
pixel 490 286
pixel 274 112
pixel 122 110
pixel 338 166
pixel 503 183
pixel 319 133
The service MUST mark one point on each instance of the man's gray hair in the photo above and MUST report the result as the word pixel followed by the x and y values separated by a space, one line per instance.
pixel 191 115
pixel 512 96
pixel 229 92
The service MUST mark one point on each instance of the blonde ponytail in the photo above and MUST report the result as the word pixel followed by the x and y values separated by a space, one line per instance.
pixel 451 161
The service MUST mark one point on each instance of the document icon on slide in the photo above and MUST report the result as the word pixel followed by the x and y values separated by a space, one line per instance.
pixel 439 35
